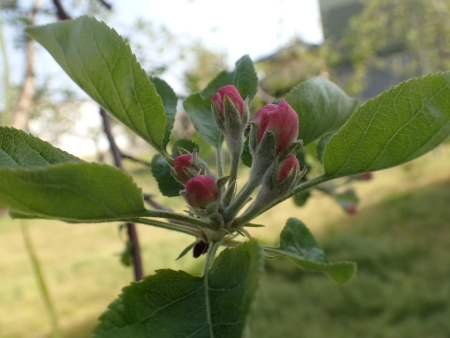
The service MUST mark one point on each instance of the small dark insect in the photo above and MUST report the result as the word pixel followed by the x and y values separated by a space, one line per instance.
pixel 200 248
pixel 247 129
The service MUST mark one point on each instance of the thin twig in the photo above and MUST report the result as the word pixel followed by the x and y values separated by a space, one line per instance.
pixel 105 4
pixel 131 228
pixel 60 12
pixel 134 159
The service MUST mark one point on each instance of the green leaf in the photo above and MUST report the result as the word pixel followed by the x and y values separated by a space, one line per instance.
pixel 72 192
pixel 322 107
pixel 246 156
pixel 301 198
pixel 176 304
pixel 321 146
pixel 102 64
pixel 199 112
pixel 170 101
pixel 185 144
pixel 397 126
pixel 198 105
pixel 168 185
pixel 298 244
pixel 245 78
pixel 21 150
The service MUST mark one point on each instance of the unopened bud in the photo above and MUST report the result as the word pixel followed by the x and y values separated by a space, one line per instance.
pixel 364 177
pixel 201 191
pixel 233 95
pixel 281 120
pixel 182 164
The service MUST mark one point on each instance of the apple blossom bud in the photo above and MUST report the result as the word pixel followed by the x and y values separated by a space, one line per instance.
pixel 232 93
pixel 181 164
pixel 286 167
pixel 351 209
pixel 201 191
pixel 364 177
pixel 280 119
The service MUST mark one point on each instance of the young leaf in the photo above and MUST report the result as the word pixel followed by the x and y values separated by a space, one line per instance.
pixel 170 101
pixel 102 64
pixel 198 105
pixel 73 192
pixel 176 304
pixel 397 126
pixel 185 144
pixel 246 156
pixel 322 107
pixel 298 244
pixel 21 150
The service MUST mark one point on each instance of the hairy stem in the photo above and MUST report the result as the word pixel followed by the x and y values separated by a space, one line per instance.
pixel 219 161
pixel 299 188
pixel 210 255
pixel 189 230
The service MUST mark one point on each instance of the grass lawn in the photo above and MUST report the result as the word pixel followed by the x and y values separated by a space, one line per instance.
pixel 400 240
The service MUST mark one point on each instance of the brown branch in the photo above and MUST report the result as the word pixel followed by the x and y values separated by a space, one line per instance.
pixel 105 4
pixel 134 159
pixel 60 12
pixel 21 113
pixel 131 227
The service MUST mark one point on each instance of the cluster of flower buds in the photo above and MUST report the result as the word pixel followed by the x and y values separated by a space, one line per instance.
pixel 272 142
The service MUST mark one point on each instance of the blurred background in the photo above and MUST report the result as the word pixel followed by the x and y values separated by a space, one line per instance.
pixel 399 235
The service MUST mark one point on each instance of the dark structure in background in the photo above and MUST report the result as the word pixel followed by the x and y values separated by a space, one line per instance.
pixel 336 15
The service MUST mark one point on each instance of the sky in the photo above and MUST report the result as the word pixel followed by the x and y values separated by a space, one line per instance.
pixel 236 27
pixel 254 27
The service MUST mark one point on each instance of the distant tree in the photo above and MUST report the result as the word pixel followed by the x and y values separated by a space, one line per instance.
pixel 203 65
pixel 402 37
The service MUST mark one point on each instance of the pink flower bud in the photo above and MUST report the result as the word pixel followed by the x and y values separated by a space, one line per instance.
pixel 365 176
pixel 200 191
pixel 181 163
pixel 280 119
pixel 351 209
pixel 233 94
pixel 286 167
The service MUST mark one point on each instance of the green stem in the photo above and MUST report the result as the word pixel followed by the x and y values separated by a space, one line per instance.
pixel 180 217
pixel 219 161
pixel 301 187
pixel 210 255
pixel 169 226
pixel 242 197
pixel 40 280
pixel 234 165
